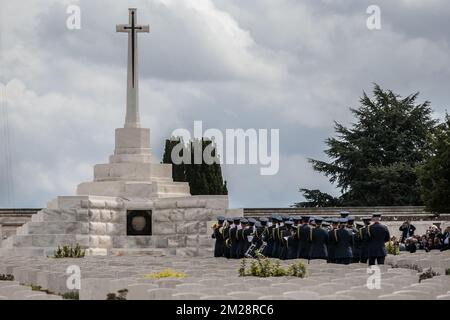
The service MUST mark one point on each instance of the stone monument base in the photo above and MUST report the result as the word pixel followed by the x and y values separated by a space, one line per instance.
pixel 119 226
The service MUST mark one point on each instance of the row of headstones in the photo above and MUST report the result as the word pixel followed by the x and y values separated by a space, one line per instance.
pixel 227 274
pixel 13 290
pixel 314 287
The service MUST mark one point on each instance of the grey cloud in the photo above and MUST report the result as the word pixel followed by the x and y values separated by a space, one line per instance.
pixel 300 65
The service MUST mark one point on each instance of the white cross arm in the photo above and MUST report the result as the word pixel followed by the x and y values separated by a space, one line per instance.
pixel 145 28
pixel 126 28
pixel 121 28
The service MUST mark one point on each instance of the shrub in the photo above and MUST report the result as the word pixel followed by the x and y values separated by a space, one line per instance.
pixel 265 267
pixel 428 274
pixel 121 295
pixel 6 277
pixel 73 295
pixel 69 252
pixel 447 272
pixel 35 288
pixel 166 273
pixel 392 247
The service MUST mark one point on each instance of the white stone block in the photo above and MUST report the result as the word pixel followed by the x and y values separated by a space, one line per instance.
pixel 164 228
pixel 95 215
pixel 132 138
pixel 187 227
pixel 97 228
pixel 162 215
pixel 166 203
pixel 82 215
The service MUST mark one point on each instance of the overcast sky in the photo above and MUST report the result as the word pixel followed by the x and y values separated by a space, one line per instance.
pixel 293 65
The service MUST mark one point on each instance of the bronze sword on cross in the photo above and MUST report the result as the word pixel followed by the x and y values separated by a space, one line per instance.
pixel 132 114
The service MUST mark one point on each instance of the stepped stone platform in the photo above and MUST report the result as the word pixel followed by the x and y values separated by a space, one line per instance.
pixel 98 224
pixel 217 278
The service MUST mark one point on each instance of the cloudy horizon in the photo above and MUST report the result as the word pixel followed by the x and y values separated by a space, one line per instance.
pixel 296 66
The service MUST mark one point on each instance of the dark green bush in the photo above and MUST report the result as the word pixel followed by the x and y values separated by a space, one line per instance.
pixel 73 295
pixel 121 295
pixel 427 274
pixel 69 252
pixel 6 277
pixel 265 267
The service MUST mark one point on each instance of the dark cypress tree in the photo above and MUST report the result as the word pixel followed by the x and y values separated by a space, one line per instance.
pixel 203 178
pixel 178 170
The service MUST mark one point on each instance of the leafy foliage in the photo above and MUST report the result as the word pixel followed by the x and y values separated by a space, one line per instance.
pixel 6 277
pixel 72 295
pixel 265 267
pixel 447 272
pixel 374 161
pixel 316 198
pixel 392 247
pixel 434 174
pixel 120 295
pixel 427 274
pixel 166 273
pixel 203 178
pixel 69 252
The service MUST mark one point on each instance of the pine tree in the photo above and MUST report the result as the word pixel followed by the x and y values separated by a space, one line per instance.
pixel 434 174
pixel 374 161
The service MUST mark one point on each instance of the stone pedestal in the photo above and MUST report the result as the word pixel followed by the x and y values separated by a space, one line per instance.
pixel 180 226
pixel 133 172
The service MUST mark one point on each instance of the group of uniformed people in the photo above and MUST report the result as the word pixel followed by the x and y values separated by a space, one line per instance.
pixel 337 240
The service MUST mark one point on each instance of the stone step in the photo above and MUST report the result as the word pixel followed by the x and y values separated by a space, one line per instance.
pixel 54 227
pixel 49 215
pixel 164 188
pixel 138 252
pixel 47 240
pixel 133 241
pixel 27 251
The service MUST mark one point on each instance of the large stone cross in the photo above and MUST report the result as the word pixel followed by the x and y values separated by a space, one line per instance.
pixel 132 115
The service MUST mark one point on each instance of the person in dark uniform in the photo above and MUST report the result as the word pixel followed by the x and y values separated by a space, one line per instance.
pixel 303 233
pixel 278 241
pixel 344 214
pixel 251 224
pixel 232 238
pixel 293 240
pixel 331 240
pixel 362 235
pixel 242 238
pixel 218 234
pixel 226 235
pixel 260 233
pixel 343 240
pixel 377 235
pixel 285 234
pixel 319 240
pixel 269 237
pixel 352 228
pixel 357 242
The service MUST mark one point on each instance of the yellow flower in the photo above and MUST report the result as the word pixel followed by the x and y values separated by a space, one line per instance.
pixel 166 273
